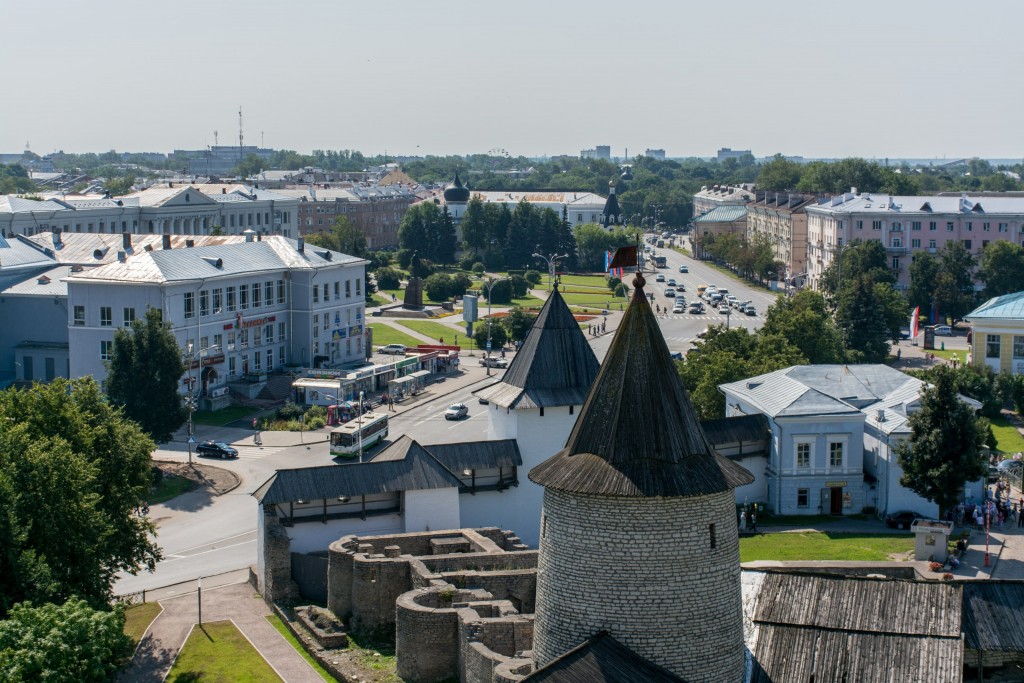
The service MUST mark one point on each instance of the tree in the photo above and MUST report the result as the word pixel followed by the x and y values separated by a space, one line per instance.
pixel 250 166
pixel 342 236
pixel 428 232
pixel 388 278
pixel 954 283
pixel 869 314
pixel 69 642
pixel 498 334
pixel 943 451
pixel 778 174
pixel 438 287
pixel 518 323
pixel 143 374
pixel 73 470
pixel 804 321
pixel 923 272
pixel 859 258
pixel 1002 268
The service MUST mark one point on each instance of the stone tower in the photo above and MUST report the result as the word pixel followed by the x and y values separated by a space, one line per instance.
pixel 638 529
pixel 537 403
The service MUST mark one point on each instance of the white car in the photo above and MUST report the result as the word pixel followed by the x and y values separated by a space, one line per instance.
pixel 494 362
pixel 680 307
pixel 456 411
pixel 724 309
pixel 659 278
pixel 943 331
pixel 397 349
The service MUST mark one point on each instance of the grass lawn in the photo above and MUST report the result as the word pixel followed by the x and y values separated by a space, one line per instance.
pixel 595 300
pixel 430 328
pixel 380 300
pixel 170 486
pixel 218 418
pixel 137 619
pixel 218 653
pixel 582 281
pixel 293 641
pixel 1008 438
pixel 385 334
pixel 734 276
pixel 824 546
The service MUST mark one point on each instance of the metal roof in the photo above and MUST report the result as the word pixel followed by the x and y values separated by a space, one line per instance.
pixel 1006 307
pixel 638 434
pixel 572 199
pixel 722 214
pixel 554 367
pixel 601 659
pixel 918 205
pixel 16 254
pixel 47 283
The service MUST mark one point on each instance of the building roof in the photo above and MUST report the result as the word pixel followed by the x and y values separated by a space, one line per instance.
pixel 10 203
pixel 588 200
pixel 918 205
pixel 1006 307
pixel 404 465
pixel 611 205
pixel 16 255
pixel 601 659
pixel 555 366
pixel 723 214
pixel 49 283
pixel 736 429
pixel 477 455
pixel 638 434
pixel 90 249
pixel 455 192
pixel 807 627
pixel 991 615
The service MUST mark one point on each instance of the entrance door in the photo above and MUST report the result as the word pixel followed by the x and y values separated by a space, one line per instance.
pixel 837 500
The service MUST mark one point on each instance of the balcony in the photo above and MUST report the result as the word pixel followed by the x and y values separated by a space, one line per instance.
pixel 898 250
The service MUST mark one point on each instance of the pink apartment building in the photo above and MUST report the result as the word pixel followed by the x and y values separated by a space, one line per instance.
pixel 907 226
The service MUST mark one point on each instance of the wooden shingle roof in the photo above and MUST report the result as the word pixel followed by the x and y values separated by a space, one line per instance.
pixel 638 434
pixel 601 659
pixel 736 429
pixel 554 367
pixel 992 615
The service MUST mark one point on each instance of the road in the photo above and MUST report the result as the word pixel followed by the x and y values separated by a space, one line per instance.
pixel 205 535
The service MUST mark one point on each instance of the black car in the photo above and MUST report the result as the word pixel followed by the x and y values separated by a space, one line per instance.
pixel 216 449
pixel 902 519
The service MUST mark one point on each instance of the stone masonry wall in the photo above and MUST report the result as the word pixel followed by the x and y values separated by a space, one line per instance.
pixel 645 570
pixel 487 644
pixel 519 586
pixel 376 584
pixel 526 559
pixel 277 561
pixel 427 632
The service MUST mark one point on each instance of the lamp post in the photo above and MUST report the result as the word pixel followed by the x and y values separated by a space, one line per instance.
pixel 193 356
pixel 490 285
pixel 552 262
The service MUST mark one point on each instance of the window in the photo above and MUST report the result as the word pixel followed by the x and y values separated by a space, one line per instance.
pixel 992 346
pixel 876 225
pixel 359 286
pixel 255 294
pixel 268 334
pixel 256 363
pixel 337 290
pixel 316 325
pixel 348 288
pixel 316 294
pixel 1004 227
pixel 967 245
pixel 895 264
pixel 327 295
pixel 711 535
pixel 280 332
pixel 280 355
pixel 257 336
pixel 984 243
pixel 270 359
pixel 986 227
pixel 243 297
pixel 969 226
pixel 860 225
pixel 218 342
pixel 106 316
pixel 106 347
pixel 79 315
pixel 129 316
pixel 280 291
pixel 327 320
pixel 204 301
pixel 916 244
pixel 231 365
pixel 218 301
pixel 803 497
pixel 231 298
pixel 243 339
pixel 803 454
pixel 931 244
pixel 895 227
pixel 268 293
pixel 897 242
pixel 1018 346
pixel 933 226
pixel 835 454
pixel 915 225
pixel 204 344
pixel 190 305
pixel 949 226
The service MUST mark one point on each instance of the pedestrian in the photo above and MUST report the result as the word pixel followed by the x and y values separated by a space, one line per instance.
pixel 441 340
pixel 899 354
pixel 254 423
pixel 1020 514
pixel 456 340
pixel 602 326
pixel 753 520
pixel 391 404
pixel 394 298
pixel 588 328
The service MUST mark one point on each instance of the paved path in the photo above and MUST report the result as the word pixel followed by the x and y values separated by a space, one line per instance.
pixel 240 604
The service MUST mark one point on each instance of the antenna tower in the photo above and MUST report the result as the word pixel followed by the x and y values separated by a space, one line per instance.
pixel 214 138
pixel 241 139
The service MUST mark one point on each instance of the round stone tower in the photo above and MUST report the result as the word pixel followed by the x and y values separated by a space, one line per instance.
pixel 638 529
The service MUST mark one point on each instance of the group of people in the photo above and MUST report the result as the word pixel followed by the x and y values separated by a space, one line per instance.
pixel 595 329
pixel 389 401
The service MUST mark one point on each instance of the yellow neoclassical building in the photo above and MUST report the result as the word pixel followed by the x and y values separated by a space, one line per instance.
pixel 998 338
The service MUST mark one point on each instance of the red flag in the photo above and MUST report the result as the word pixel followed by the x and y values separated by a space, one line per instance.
pixel 624 257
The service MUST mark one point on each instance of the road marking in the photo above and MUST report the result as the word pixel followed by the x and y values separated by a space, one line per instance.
pixel 175 558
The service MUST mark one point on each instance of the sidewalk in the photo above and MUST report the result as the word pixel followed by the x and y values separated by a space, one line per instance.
pixel 238 603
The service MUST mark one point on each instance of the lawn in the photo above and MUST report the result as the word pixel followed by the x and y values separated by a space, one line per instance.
pixel 1008 439
pixel 137 619
pixel 599 281
pixel 217 652
pixel 218 418
pixel 293 641
pixel 379 300
pixel 595 300
pixel 385 334
pixel 170 486
pixel 431 329
pixel 824 546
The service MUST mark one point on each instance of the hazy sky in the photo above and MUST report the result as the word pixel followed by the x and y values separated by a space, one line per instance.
pixel 900 78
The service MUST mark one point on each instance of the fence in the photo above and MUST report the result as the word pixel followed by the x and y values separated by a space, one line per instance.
pixel 183 587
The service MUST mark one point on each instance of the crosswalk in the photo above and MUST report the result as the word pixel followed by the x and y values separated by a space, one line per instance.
pixel 246 452
pixel 714 317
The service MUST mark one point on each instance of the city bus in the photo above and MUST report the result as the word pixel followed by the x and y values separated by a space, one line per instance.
pixel 363 432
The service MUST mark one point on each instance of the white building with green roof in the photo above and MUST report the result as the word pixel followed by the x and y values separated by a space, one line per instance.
pixel 998 337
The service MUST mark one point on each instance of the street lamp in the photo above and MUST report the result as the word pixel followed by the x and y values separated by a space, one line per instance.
pixel 192 355
pixel 552 262
pixel 490 285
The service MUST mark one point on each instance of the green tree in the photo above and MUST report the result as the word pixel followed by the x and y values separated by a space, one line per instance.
pixel 592 241
pixel 73 470
pixel 69 642
pixel 342 237
pixel 869 314
pixel 143 375
pixel 923 271
pixel 250 166
pixel 778 174
pixel 438 287
pixel 388 278
pixel 119 186
pixel 518 323
pixel 804 321
pixel 954 283
pixel 943 451
pixel 428 232
pixel 1002 268
pixel 859 259
pixel 497 331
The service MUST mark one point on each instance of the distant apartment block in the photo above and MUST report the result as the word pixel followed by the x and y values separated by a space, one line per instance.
pixel 658 154
pixel 599 152
pixel 376 210
pixel 726 153
pixel 781 219
pixel 220 160
pixel 713 196
pixel 908 226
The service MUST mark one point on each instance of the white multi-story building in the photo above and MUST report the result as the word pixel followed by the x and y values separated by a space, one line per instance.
pixel 171 209
pixel 908 225
pixel 245 307
pixel 713 196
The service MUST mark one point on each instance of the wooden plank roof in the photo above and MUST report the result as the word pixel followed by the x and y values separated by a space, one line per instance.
pixel 992 615
pixel 736 429
pixel 477 455
pixel 554 367
pixel 638 434
pixel 601 659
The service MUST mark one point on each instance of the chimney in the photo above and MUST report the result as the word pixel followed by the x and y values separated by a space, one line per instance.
pixel 223 190
pixel 126 241
pixel 121 257
pixel 302 245
pixel 166 241
pixel 881 415
pixel 853 191
pixel 57 238
pixel 248 235
pixel 190 243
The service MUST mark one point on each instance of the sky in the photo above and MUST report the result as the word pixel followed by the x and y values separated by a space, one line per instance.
pixel 901 78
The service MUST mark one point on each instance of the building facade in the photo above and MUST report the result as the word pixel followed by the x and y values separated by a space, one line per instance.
pixel 997 340
pixel 713 196
pixel 724 220
pixel 376 210
pixel 780 219
pixel 908 225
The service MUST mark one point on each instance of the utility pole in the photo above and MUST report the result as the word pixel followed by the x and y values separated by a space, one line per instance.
pixel 241 138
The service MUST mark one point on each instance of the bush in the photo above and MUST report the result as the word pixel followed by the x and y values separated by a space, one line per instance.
pixel 501 292
pixel 422 269
pixel 613 282
pixel 494 260
pixel 289 411
pixel 404 256
pixel 498 334
pixel 460 284
pixel 316 411
pixel 379 259
pixel 438 287
pixel 388 278
pixel 317 422
pixel 468 261
pixel 533 277
pixel 520 287
pixel 621 290
pixel 479 268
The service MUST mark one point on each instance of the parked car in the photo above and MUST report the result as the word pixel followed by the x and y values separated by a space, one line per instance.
pixel 494 362
pixel 1007 466
pixel 216 449
pixel 703 333
pixel 398 349
pixel 483 401
pixel 456 411
pixel 684 269
pixel 660 278
pixel 678 308
pixel 993 474
pixel 902 519
pixel 943 331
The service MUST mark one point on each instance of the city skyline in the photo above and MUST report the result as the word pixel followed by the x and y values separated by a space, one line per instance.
pixel 887 80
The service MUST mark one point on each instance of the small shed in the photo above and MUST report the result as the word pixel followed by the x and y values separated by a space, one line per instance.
pixel 932 542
